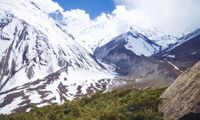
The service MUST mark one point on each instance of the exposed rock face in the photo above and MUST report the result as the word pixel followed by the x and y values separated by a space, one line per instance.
pixel 182 98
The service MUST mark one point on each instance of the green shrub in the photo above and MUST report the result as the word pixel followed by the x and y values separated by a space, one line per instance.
pixel 126 104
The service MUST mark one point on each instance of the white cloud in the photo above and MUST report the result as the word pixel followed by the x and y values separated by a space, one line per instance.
pixel 106 26
pixel 172 16
pixel 118 22
pixel 135 18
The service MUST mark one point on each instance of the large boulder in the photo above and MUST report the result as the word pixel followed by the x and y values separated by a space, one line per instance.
pixel 182 99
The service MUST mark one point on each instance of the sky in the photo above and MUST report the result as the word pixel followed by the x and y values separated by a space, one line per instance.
pixel 93 7
pixel 170 16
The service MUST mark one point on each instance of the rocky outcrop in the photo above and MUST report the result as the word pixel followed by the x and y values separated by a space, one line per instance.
pixel 182 99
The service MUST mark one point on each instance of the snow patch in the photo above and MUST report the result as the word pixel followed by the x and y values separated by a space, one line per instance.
pixel 13 105
pixel 139 46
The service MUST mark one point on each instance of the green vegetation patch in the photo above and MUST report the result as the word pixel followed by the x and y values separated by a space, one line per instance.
pixel 126 104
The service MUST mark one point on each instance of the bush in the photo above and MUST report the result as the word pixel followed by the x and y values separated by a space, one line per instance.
pixel 126 104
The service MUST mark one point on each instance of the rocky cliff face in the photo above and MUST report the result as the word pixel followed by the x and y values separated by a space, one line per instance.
pixel 182 98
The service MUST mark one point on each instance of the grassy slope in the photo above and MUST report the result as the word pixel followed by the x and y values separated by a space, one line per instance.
pixel 123 104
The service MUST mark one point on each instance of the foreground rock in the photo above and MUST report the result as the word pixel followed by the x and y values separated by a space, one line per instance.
pixel 182 99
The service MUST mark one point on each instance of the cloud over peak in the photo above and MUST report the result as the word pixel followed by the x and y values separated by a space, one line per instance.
pixel 172 16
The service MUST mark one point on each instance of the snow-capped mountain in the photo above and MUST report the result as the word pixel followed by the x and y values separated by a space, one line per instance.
pixel 135 42
pixel 39 63
pixel 95 33
pixel 130 54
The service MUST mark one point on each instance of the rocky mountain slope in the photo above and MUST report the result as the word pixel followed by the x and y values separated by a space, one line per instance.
pixel 39 63
pixel 130 55
pixel 185 53
pixel 182 98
